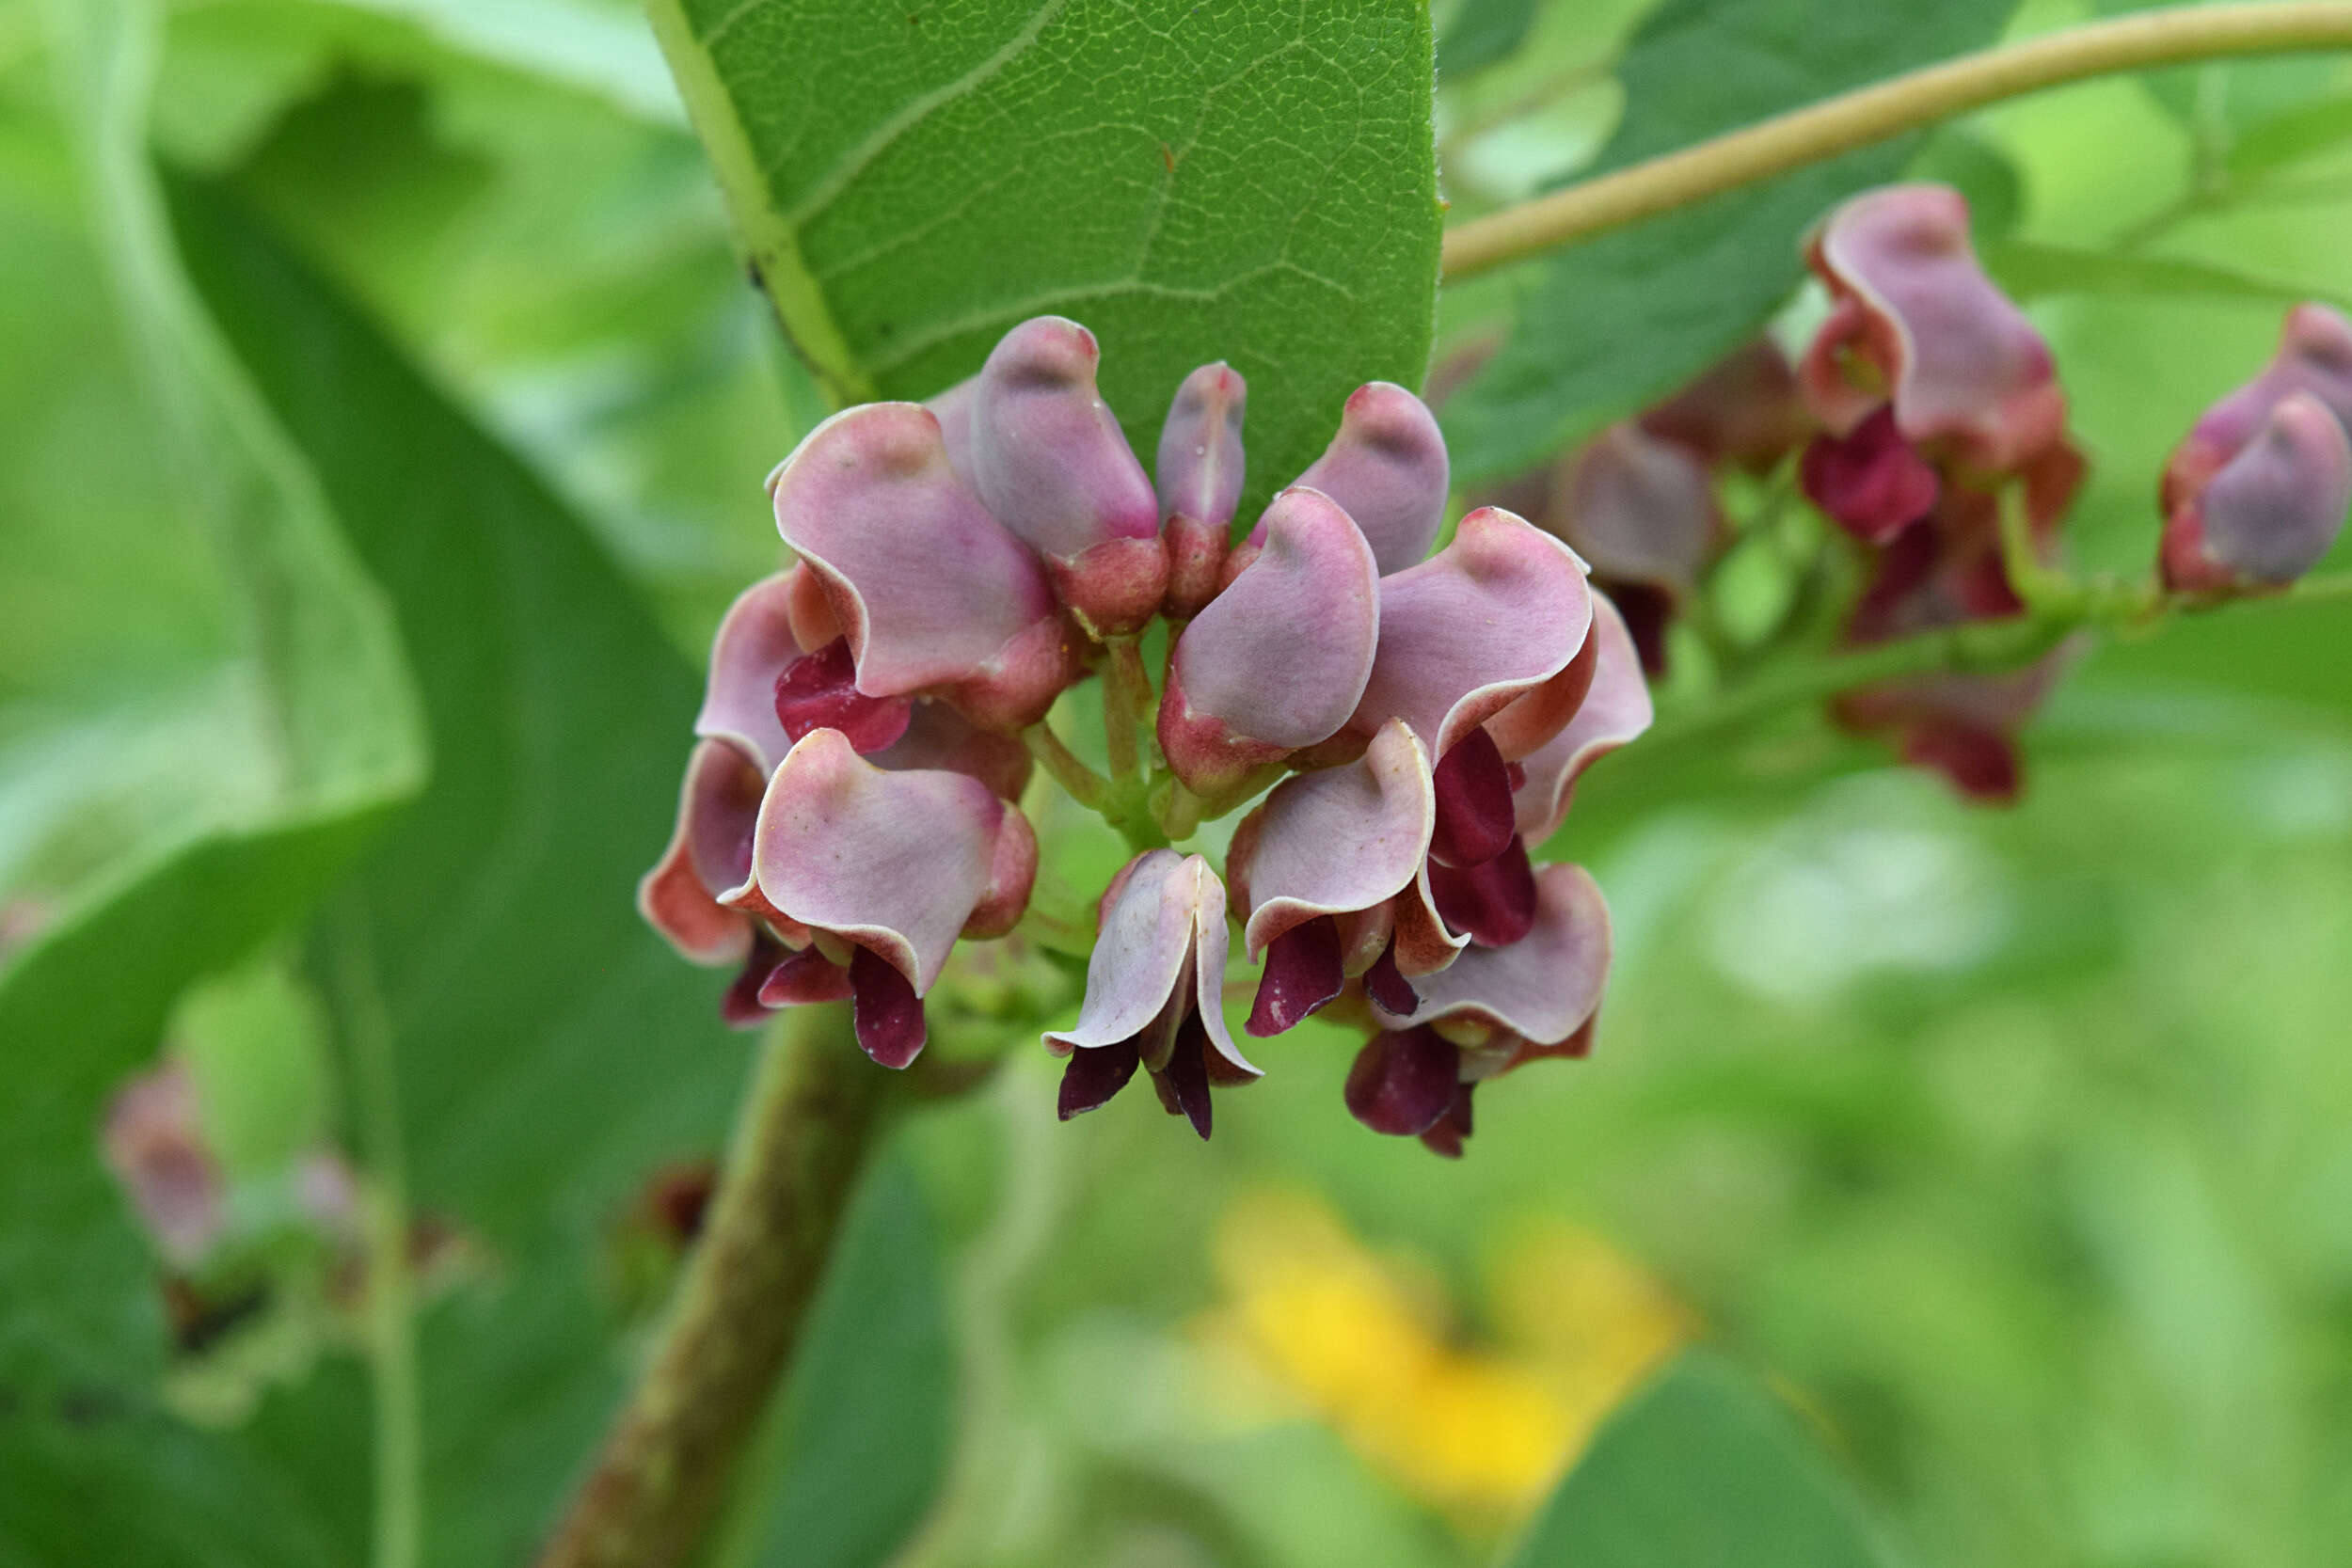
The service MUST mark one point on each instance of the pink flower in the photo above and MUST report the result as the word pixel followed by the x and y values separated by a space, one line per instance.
pixel 1490 1011
pixel 707 895
pixel 2256 493
pixel 1153 989
pixel 1936 394
pixel 1915 325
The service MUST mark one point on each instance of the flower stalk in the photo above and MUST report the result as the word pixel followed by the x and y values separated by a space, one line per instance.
pixel 1886 109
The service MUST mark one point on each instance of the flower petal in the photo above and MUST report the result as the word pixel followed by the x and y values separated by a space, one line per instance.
pixel 1048 460
pixel 1302 975
pixel 1387 468
pixel 819 692
pixel 1640 509
pixel 804 976
pixel 1162 930
pixel 2314 356
pixel 1492 903
pixel 933 593
pixel 884 1010
pixel 754 646
pixel 893 862
pixel 1870 481
pixel 1540 989
pixel 939 737
pixel 1309 607
pixel 1184 1084
pixel 710 852
pixel 1093 1077
pixel 1475 821
pixel 1201 459
pixel 1495 614
pixel 1403 1082
pixel 1342 839
pixel 1616 710
pixel 1200 469
pixel 1961 361
pixel 2270 514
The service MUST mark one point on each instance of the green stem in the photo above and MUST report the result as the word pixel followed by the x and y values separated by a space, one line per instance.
pixel 391 1315
pixel 1126 697
pixel 809 1119
pixel 1980 646
pixel 1084 785
pixel 2041 590
pixel 1889 108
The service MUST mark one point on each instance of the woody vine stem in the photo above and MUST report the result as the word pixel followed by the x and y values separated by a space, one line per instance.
pixel 811 1110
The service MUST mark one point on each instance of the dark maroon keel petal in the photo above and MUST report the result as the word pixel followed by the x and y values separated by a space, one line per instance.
pixel 1870 482
pixel 804 976
pixel 1302 972
pixel 1404 1081
pixel 1385 984
pixel 1982 764
pixel 1648 611
pixel 741 1006
pixel 819 692
pixel 889 1014
pixel 1185 1084
pixel 1445 1136
pixel 1493 905
pixel 1094 1074
pixel 1475 818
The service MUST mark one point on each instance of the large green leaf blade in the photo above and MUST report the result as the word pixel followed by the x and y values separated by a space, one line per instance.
pixel 550 1052
pixel 1607 325
pixel 1253 184
pixel 1703 1470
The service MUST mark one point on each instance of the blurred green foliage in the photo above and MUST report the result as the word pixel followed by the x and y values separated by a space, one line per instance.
pixel 2010 1148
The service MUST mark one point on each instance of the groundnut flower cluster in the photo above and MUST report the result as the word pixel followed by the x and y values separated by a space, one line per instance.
pixel 1939 404
pixel 1401 723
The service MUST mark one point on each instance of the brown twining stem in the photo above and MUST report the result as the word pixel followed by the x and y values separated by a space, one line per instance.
pixel 1888 108
pixel 811 1117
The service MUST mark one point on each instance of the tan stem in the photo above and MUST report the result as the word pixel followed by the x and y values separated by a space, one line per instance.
pixel 803 1133
pixel 1885 109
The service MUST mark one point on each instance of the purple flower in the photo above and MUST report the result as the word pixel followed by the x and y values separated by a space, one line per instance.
pixel 867 877
pixel 1277 661
pixel 1915 325
pixel 1487 1012
pixel 1153 992
pixel 2256 493
pixel 713 896
pixel 1047 458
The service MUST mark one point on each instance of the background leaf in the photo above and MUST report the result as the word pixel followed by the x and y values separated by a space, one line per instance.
pixel 1704 1470
pixel 552 1052
pixel 1606 325
pixel 1483 33
pixel 1246 183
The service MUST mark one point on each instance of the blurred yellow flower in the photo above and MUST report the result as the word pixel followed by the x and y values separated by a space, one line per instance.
pixel 1364 1343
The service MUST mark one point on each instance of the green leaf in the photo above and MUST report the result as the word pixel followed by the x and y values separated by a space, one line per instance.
pixel 1482 33
pixel 2289 138
pixel 1619 320
pixel 550 1052
pixel 859 1439
pixel 2030 270
pixel 1253 184
pixel 86 1003
pixel 1703 1470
